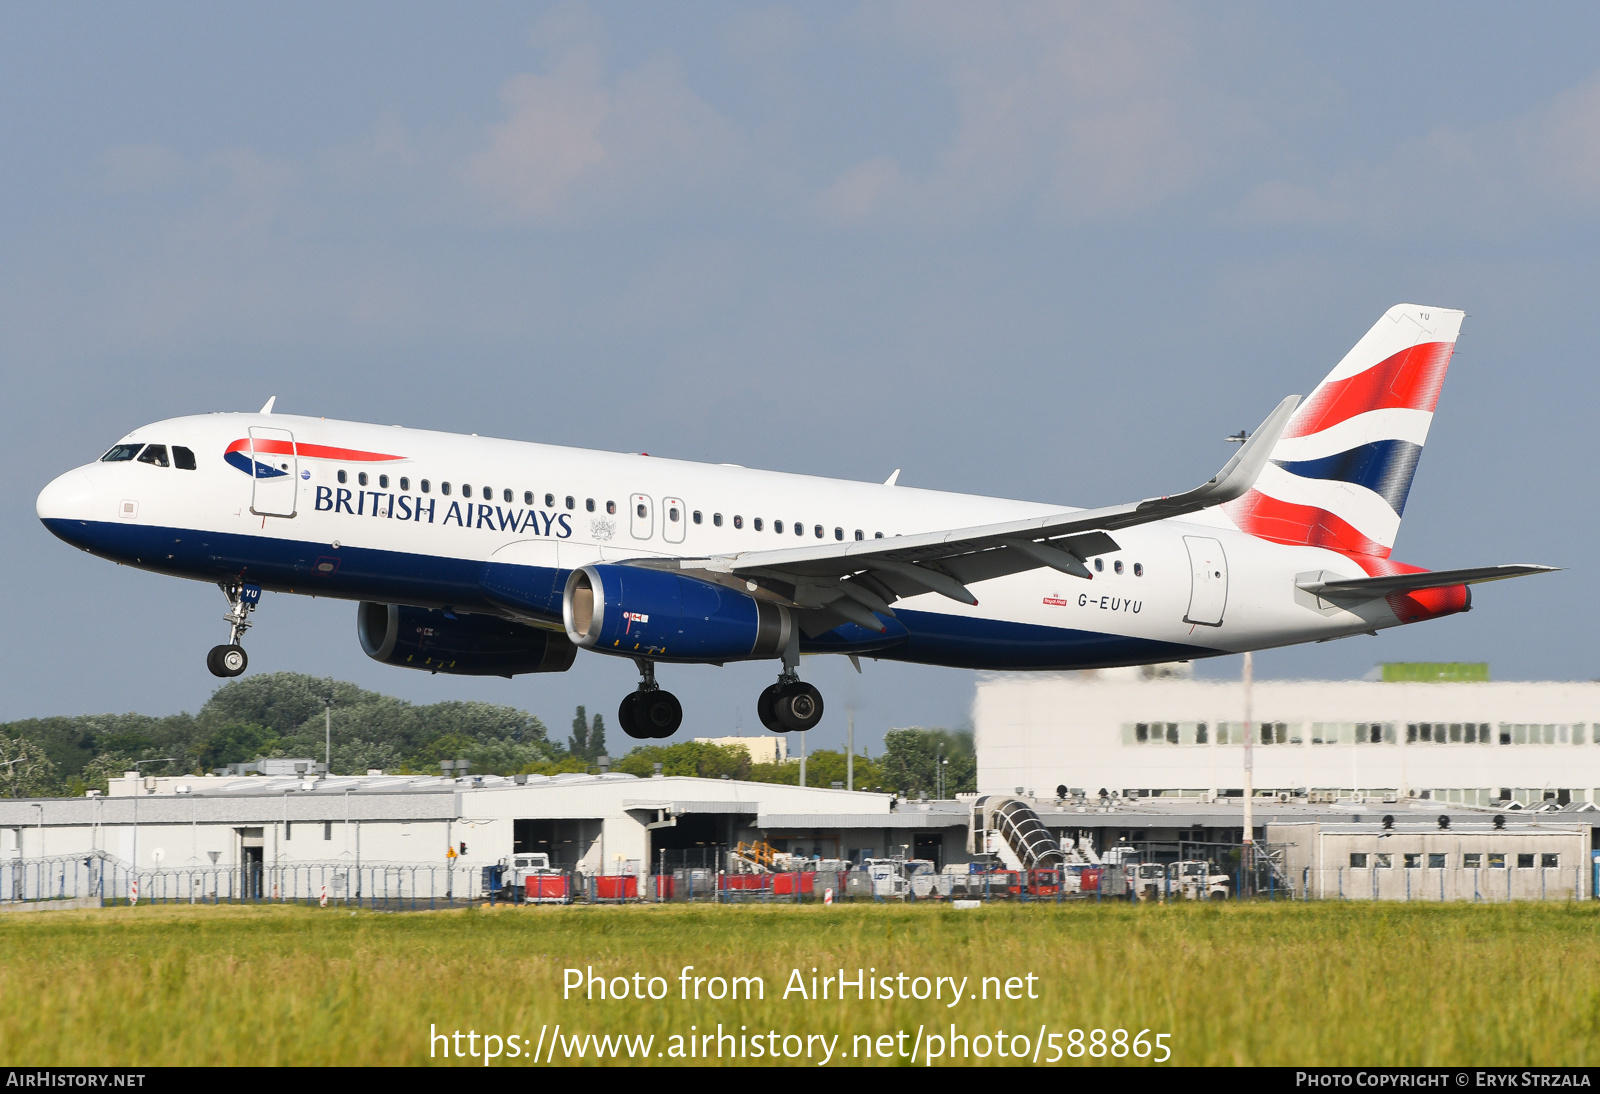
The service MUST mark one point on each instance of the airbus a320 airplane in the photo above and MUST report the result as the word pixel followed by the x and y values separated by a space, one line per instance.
pixel 491 557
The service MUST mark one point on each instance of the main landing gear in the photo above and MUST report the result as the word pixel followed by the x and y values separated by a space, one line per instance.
pixel 649 712
pixel 230 659
pixel 791 705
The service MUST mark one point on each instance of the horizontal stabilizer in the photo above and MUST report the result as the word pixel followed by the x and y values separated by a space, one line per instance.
pixel 1373 587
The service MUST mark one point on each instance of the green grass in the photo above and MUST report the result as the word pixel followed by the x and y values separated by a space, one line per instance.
pixel 1235 984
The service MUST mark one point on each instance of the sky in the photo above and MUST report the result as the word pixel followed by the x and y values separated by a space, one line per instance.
pixel 1050 251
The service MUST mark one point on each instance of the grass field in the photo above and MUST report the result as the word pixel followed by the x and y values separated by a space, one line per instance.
pixel 1234 984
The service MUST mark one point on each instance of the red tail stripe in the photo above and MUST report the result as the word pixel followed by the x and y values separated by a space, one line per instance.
pixel 1411 379
pixel 1300 525
pixel 313 451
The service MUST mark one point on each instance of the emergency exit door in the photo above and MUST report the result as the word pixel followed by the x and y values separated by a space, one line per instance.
pixel 1208 591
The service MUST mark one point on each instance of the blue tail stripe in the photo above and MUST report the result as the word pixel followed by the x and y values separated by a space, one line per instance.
pixel 1384 467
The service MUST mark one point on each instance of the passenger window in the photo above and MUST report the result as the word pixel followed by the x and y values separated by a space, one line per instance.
pixel 444 488
pixel 611 507
pixel 570 503
pixel 405 483
pixel 182 458
pixel 1099 565
pixel 361 479
pixel 642 511
pixel 424 485
pixel 697 516
pixel 383 481
pixel 838 533
pixel 859 534
pixel 527 497
pixel 800 529
pixel 777 526
pixel 738 521
pixel 1117 566
pixel 506 495
pixel 1138 569
pixel 121 452
pixel 756 524
pixel 588 503
pixel 549 501
pixel 341 476
pixel 466 490
pixel 672 513
pixel 877 535
pixel 155 454
pixel 716 518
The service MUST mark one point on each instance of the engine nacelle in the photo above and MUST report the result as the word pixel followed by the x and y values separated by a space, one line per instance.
pixel 467 645
pixel 669 617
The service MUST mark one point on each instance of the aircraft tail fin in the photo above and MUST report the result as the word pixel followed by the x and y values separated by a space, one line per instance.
pixel 1340 474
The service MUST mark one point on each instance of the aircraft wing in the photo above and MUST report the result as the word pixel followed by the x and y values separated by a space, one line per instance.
pixel 852 580
pixel 1367 588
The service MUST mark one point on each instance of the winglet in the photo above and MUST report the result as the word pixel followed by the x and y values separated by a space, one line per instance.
pixel 890 481
pixel 1239 474
pixel 268 408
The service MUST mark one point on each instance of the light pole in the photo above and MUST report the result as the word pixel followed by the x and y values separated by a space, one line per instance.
pixel 944 776
pixel 850 753
pixel 327 726
pixel 1247 847
pixel 40 807
pixel 136 789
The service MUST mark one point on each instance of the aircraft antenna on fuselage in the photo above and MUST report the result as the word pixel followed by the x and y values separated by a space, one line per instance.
pixel 268 408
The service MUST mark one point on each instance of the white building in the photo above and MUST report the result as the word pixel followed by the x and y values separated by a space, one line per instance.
pixel 771 749
pixel 1160 733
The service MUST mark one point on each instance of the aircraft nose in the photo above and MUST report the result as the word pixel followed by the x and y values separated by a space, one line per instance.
pixel 67 497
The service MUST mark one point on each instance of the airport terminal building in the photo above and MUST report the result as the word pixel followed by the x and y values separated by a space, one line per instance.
pixel 1158 732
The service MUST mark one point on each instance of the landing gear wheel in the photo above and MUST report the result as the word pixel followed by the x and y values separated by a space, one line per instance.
pixel 798 707
pixel 626 716
pixel 658 713
pixel 764 708
pixel 227 660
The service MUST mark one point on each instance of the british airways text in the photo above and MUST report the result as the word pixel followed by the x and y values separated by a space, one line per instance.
pixel 464 514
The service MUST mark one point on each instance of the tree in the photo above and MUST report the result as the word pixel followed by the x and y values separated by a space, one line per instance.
pixel 25 770
pixel 578 743
pixel 233 744
pixel 694 758
pixel 823 768
pixel 911 761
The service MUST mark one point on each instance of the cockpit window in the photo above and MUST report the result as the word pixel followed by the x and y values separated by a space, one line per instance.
pixel 121 452
pixel 182 458
pixel 154 453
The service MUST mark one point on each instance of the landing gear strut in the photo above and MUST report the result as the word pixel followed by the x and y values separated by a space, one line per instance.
pixel 649 712
pixel 791 705
pixel 230 659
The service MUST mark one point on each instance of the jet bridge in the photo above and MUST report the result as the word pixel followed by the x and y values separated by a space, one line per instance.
pixel 1009 827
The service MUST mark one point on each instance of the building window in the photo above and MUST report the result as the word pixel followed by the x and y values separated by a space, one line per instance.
pixel 288 830
pixel 1383 860
pixel 1200 733
pixel 1435 860
pixel 1358 860
pixel 1413 860
pixel 1497 861
pixel 1524 862
pixel 327 830
pixel 1472 860
pixel 1549 861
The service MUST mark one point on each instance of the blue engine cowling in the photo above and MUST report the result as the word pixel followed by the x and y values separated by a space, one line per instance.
pixel 669 617
pixel 462 645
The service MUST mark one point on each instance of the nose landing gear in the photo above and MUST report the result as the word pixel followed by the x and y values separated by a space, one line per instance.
pixel 649 712
pixel 791 705
pixel 230 659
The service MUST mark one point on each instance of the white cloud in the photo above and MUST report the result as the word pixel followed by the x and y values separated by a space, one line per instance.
pixel 1542 164
pixel 575 142
pixel 1082 111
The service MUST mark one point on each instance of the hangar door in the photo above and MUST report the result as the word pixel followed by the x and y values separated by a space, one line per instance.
pixel 1208 591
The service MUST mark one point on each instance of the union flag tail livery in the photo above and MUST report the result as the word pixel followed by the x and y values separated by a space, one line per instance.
pixel 476 556
pixel 1339 476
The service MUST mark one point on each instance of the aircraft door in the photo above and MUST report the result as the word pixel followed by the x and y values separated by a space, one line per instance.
pixel 277 472
pixel 1208 594
pixel 673 520
pixel 641 514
